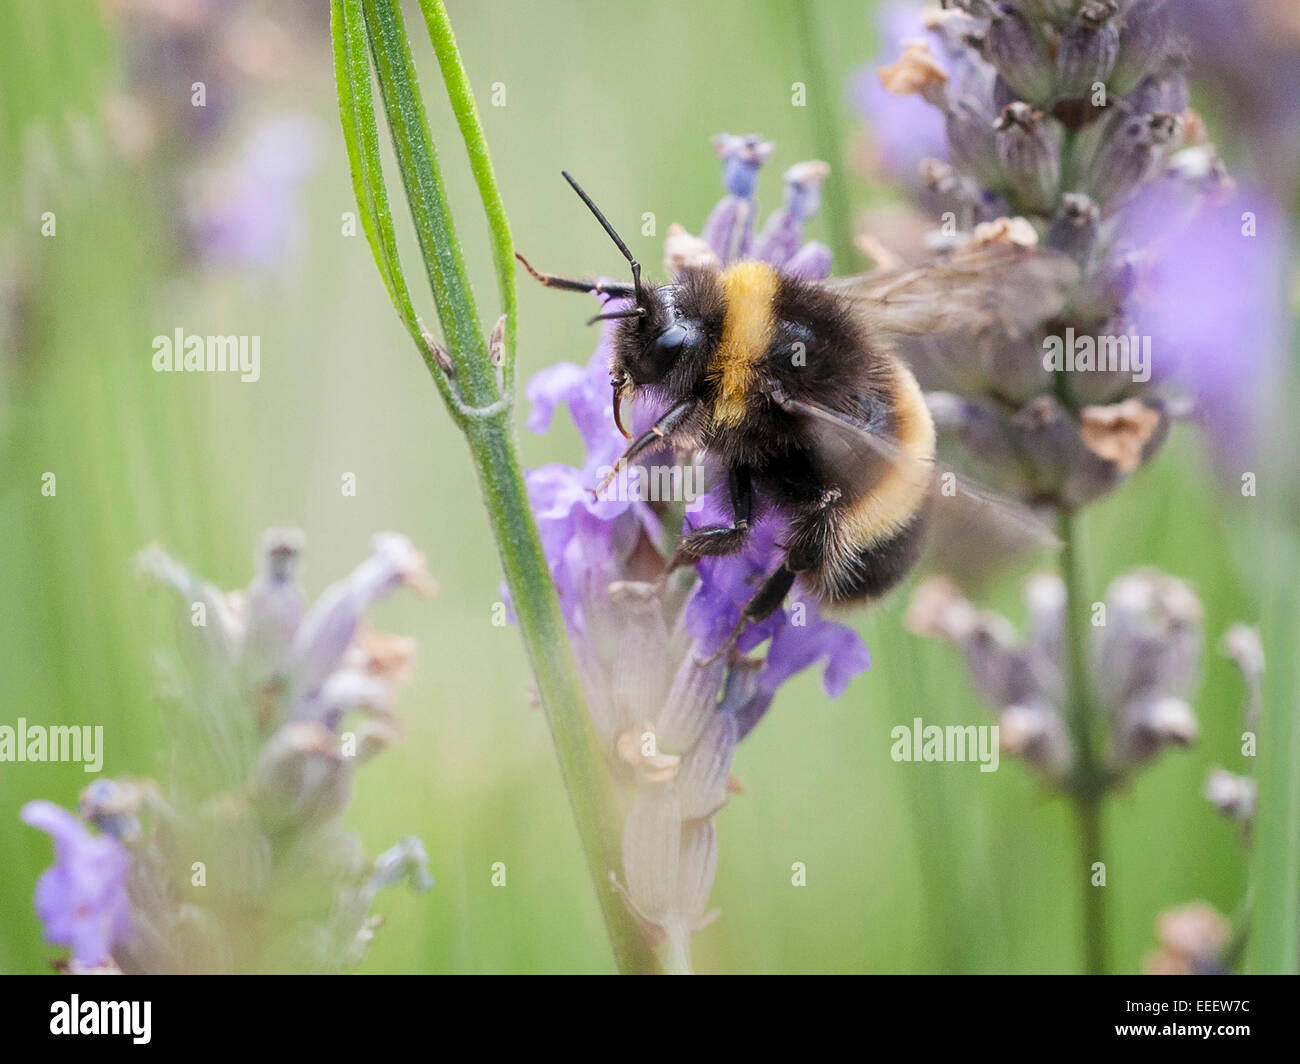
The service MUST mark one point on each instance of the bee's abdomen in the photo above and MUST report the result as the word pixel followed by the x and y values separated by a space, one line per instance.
pixel 843 571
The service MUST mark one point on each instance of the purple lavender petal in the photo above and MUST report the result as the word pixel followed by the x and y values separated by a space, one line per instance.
pixel 551 387
pixel 82 898
pixel 812 262
pixel 726 584
pixel 730 227
pixel 795 648
pixel 330 626
pixel 783 233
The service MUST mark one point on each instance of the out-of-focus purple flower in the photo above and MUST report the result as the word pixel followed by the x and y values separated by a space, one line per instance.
pixel 82 898
pixel 250 214
pixel 1211 295
pixel 261 773
pixel 1150 648
pixel 1169 287
pixel 1251 51
pixel 903 131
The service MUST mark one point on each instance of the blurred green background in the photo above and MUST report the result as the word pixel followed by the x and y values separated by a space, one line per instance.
pixel 911 867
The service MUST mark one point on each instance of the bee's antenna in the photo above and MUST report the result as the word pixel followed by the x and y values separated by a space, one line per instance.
pixel 618 240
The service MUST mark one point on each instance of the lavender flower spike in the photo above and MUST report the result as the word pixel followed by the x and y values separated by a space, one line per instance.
pixel 275 704
pixel 667 715
pixel 1145 657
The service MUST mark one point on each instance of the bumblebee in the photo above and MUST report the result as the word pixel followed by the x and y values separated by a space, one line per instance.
pixel 792 387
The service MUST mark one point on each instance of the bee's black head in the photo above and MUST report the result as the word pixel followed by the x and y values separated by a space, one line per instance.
pixel 666 334
pixel 667 349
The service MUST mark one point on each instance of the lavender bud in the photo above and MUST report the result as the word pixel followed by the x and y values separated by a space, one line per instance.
pixel 405 860
pixel 1142 43
pixel 1151 644
pixel 1020 53
pixel 112 807
pixel 1003 94
pixel 972 142
pixel 1242 643
pixel 1087 50
pixel 652 838
pixel 1059 464
pixel 742 158
pixel 1038 734
pixel 730 227
pixel 690 706
pixel 1029 148
pixel 273 608
pixel 1159 92
pixel 1045 603
pixel 1191 941
pixel 1075 228
pixel 1232 795
pixel 702 776
pixel 1146 728
pixel 697 866
pixel 782 236
pixel 1131 154
pixel 300 778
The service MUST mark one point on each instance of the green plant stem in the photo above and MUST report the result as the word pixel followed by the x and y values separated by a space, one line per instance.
pixel 476 399
pixel 1274 943
pixel 1089 783
pixel 582 766
pixel 1088 812
pixel 675 955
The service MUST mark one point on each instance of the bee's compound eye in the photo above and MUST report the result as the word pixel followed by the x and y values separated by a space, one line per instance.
pixel 671 339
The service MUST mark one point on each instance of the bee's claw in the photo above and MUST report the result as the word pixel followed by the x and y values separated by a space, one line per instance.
pixel 728 645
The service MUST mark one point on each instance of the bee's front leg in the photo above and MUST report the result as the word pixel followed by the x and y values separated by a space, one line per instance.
pixel 660 433
pixel 716 540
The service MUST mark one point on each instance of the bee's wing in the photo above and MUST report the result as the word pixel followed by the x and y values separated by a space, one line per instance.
pixel 1010 286
pixel 854 455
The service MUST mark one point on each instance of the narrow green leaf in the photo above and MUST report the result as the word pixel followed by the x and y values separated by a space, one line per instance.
pixel 480 161
pixel 357 115
pixel 434 225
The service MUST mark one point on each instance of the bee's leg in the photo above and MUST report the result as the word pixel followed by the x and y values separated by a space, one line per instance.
pixel 658 433
pixel 612 289
pixel 766 601
pixel 714 540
